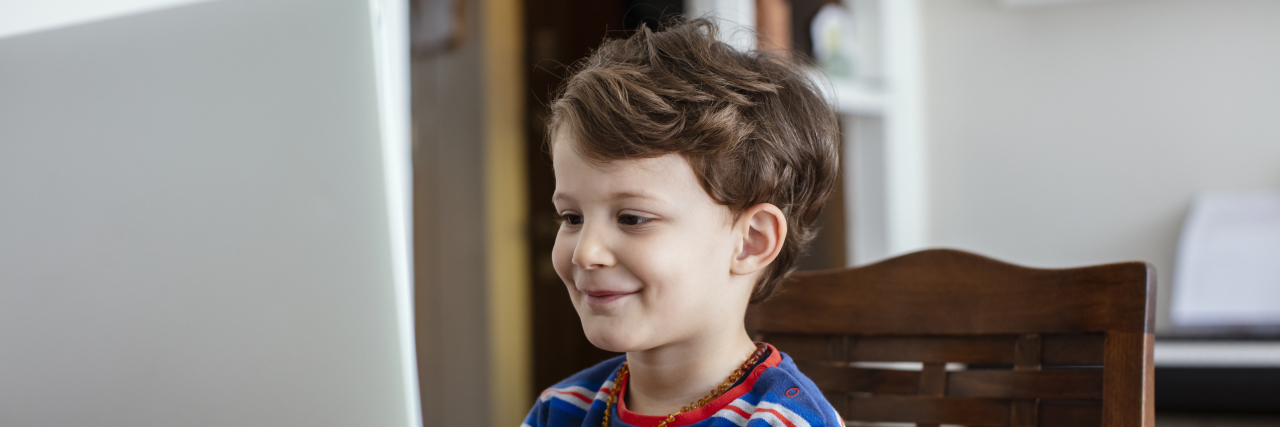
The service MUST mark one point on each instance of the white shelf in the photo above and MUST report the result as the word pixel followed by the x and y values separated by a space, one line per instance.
pixel 850 96
pixel 1217 354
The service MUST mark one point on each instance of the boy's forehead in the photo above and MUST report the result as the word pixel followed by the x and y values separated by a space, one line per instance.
pixel 565 154
pixel 659 178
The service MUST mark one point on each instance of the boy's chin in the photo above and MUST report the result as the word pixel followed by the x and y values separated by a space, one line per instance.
pixel 614 341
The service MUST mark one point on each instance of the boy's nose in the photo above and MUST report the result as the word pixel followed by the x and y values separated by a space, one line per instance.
pixel 591 252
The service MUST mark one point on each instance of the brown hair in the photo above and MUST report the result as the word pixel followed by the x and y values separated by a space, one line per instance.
pixel 754 128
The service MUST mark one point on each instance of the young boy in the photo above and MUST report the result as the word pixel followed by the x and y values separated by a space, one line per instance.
pixel 688 176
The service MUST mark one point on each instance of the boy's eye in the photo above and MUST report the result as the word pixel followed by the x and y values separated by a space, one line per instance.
pixel 571 219
pixel 628 219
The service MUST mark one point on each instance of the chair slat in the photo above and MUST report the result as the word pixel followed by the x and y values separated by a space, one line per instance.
pixel 844 379
pixel 993 384
pixel 928 410
pixel 999 384
pixel 839 401
pixel 827 348
pixel 1051 413
pixel 1026 358
pixel 933 382
pixel 1024 413
pixel 940 349
pixel 1067 413
pixel 1057 349
pixel 945 349
pixel 933 379
pixel 1026 353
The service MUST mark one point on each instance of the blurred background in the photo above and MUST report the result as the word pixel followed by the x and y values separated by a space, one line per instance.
pixel 220 212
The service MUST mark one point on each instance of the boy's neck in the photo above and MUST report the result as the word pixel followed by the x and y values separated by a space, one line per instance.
pixel 667 378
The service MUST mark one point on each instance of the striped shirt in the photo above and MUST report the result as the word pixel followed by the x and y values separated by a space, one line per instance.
pixel 775 394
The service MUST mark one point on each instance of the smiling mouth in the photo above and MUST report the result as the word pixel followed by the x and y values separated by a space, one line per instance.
pixel 605 297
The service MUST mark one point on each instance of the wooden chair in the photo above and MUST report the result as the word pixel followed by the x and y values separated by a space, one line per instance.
pixel 1069 347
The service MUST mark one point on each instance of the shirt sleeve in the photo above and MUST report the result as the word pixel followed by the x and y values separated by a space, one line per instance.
pixel 537 415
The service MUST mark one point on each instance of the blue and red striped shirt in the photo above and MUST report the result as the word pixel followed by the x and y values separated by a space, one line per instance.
pixel 775 393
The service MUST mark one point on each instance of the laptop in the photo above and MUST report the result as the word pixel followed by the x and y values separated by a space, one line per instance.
pixel 195 221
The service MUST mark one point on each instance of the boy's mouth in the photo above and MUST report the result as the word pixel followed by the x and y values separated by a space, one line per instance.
pixel 605 297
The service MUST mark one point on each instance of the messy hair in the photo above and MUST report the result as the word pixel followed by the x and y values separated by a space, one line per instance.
pixel 752 125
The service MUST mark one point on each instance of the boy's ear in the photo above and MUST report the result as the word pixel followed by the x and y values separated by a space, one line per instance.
pixel 763 229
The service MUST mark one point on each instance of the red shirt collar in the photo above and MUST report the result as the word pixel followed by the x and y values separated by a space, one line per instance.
pixel 704 412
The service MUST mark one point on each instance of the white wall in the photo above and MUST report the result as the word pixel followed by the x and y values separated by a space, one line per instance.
pixel 194 222
pixel 1078 133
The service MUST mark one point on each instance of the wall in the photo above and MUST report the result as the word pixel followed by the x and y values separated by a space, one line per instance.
pixel 471 235
pixel 1078 133
pixel 506 206
pixel 449 233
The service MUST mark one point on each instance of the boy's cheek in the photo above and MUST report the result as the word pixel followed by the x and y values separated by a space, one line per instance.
pixel 561 258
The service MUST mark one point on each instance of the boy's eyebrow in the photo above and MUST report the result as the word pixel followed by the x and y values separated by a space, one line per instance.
pixel 621 195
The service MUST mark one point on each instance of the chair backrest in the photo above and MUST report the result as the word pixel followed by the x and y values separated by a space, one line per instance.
pixel 1000 344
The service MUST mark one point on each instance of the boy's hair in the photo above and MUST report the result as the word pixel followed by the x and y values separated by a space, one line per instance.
pixel 754 128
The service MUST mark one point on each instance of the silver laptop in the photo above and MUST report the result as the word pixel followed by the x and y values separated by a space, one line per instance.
pixel 194 222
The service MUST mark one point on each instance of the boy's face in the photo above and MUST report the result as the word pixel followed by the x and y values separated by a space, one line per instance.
pixel 644 251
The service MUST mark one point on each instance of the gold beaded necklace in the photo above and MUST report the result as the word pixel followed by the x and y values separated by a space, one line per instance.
pixel 728 383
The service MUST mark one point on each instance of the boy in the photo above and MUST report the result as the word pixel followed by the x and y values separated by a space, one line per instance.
pixel 688 176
